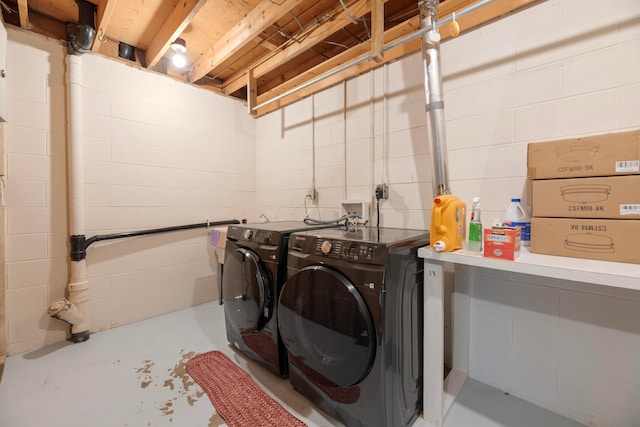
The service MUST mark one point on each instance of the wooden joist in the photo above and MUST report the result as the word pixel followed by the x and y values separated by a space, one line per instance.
pixel 105 11
pixel 23 12
pixel 355 52
pixel 377 29
pixel 252 92
pixel 315 36
pixel 255 22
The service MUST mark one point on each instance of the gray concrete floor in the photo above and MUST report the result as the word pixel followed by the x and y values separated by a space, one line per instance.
pixel 135 375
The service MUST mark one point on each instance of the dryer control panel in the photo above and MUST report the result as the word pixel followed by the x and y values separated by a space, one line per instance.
pixel 263 237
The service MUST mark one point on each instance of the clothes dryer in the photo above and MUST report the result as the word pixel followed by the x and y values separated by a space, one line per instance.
pixel 254 271
pixel 350 317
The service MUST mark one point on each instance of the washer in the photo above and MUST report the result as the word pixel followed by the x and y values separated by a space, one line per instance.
pixel 254 271
pixel 350 317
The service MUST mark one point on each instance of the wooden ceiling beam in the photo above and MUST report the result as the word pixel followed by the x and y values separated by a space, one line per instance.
pixel 315 36
pixel 23 12
pixel 481 16
pixel 181 15
pixel 105 12
pixel 254 23
pixel 400 30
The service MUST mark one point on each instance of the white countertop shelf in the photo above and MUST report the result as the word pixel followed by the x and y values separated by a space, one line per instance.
pixel 615 274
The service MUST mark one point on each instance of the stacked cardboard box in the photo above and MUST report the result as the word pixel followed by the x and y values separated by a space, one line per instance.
pixel 586 197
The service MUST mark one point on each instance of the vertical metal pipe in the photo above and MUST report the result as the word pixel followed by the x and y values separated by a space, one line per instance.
pixel 434 107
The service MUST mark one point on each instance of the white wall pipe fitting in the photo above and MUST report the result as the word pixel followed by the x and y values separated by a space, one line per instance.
pixel 67 311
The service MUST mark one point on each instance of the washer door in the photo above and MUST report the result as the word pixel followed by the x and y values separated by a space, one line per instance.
pixel 247 291
pixel 325 324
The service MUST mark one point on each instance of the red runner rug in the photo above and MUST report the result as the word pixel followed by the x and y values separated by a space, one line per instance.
pixel 234 394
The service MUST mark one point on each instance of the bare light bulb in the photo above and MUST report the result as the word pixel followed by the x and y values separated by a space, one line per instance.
pixel 179 61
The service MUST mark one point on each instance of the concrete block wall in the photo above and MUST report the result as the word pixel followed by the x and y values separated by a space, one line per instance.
pixel 157 153
pixel 558 69
pixel 570 347
pixel 347 124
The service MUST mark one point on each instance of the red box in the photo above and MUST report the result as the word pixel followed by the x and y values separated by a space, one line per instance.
pixel 502 243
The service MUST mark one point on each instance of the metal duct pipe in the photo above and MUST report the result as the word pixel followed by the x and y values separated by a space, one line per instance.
pixel 434 96
pixel 80 37
pixel 75 310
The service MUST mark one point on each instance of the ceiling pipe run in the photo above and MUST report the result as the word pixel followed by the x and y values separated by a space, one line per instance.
pixel 75 309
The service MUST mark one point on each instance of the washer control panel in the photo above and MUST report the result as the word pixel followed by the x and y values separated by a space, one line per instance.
pixel 364 252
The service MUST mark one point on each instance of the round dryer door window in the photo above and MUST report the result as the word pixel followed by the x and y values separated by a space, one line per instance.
pixel 246 291
pixel 327 327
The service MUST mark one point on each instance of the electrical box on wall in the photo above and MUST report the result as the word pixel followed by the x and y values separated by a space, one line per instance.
pixel 359 207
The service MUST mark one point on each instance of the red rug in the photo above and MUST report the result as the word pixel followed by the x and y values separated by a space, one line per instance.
pixel 234 394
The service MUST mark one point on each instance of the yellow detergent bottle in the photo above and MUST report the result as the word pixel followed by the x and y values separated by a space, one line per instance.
pixel 448 223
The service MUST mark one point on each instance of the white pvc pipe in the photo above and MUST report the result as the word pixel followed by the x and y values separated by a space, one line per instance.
pixel 75 147
pixel 75 310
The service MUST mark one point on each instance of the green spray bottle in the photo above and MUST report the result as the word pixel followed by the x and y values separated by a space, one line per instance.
pixel 475 227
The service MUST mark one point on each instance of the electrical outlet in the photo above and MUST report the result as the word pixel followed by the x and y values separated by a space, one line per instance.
pixel 382 191
pixel 312 193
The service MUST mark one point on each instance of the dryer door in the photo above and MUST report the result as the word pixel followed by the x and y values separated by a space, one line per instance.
pixel 326 326
pixel 246 291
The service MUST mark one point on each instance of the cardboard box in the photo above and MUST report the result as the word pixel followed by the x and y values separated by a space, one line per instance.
pixel 502 243
pixel 614 197
pixel 601 239
pixel 599 155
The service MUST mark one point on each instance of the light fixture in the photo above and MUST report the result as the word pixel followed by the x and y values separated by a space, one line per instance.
pixel 179 46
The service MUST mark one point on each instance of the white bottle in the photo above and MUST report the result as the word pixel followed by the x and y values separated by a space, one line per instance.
pixel 516 215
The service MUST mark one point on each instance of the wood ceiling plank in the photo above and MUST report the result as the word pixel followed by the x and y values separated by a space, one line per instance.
pixel 487 13
pixel 339 21
pixel 105 12
pixel 23 12
pixel 256 21
pixel 181 15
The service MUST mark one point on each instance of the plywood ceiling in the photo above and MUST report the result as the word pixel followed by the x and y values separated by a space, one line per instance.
pixel 272 46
